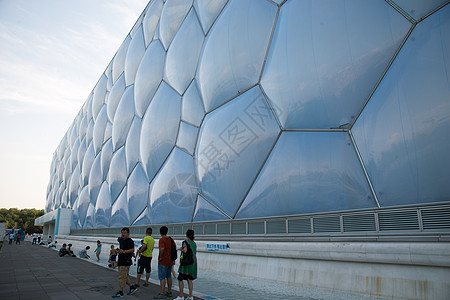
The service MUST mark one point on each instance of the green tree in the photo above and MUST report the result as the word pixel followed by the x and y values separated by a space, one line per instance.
pixel 21 218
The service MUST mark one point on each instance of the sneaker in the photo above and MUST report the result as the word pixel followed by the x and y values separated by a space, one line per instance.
pixel 119 294
pixel 168 294
pixel 179 298
pixel 160 296
pixel 132 290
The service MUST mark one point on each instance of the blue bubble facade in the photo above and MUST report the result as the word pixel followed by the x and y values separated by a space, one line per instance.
pixel 221 110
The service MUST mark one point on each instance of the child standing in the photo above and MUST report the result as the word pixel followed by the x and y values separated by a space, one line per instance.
pixel 98 250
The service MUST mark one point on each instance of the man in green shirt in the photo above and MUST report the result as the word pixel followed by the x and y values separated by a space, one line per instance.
pixel 145 260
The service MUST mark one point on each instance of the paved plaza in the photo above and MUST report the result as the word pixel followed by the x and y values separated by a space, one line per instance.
pixel 35 272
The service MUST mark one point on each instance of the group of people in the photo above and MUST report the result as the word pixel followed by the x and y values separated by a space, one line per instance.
pixel 66 250
pixel 13 236
pixel 166 261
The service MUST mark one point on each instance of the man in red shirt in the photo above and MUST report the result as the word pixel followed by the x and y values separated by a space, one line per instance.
pixel 164 264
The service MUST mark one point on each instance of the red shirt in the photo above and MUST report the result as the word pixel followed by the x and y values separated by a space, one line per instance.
pixel 166 258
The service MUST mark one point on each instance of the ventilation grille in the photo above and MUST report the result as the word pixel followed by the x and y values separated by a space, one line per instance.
pixel 276 226
pixel 177 230
pixel 198 229
pixel 238 228
pixel 436 218
pixel 223 228
pixel 256 228
pixel 299 226
pixel 361 222
pixel 210 229
pixel 185 228
pixel 327 224
pixel 402 220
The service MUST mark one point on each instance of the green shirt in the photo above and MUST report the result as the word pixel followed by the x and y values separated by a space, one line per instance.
pixel 150 242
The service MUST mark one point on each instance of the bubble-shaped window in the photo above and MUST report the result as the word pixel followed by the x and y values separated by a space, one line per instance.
pixel 119 59
pixel 183 54
pixel 173 191
pixel 103 207
pixel 95 179
pixel 87 164
pixel 225 69
pixel 99 129
pixel 143 219
pixel 114 97
pixel 90 131
pixel 74 154
pixel 326 57
pixel 132 144
pixel 151 20
pixel 208 11
pixel 108 132
pixel 117 176
pixel 123 118
pixel 403 133
pixel 137 192
pixel 82 127
pixel 309 172
pixel 119 211
pixel 187 137
pixel 233 143
pixel 159 129
pixel 205 211
pixel 99 96
pixel 134 56
pixel 149 76
pixel 83 205
pixel 74 185
pixel 192 108
pixel 106 156
pixel 82 151
pixel 172 15
pixel 90 217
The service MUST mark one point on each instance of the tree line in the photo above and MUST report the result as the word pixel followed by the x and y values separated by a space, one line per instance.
pixel 21 218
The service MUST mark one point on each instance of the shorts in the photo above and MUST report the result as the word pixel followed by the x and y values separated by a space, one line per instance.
pixel 184 276
pixel 144 263
pixel 112 258
pixel 164 272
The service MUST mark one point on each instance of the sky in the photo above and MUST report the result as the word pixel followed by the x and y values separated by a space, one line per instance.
pixel 52 53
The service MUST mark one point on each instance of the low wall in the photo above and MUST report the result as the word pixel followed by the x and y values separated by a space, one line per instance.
pixel 393 270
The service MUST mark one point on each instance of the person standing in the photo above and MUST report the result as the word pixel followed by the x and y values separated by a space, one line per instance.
pixel 165 263
pixel 34 238
pixel 11 238
pixel 39 239
pixel 187 271
pixel 145 260
pixel 18 238
pixel 98 250
pixel 126 250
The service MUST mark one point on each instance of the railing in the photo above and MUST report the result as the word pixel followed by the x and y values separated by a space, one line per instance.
pixel 407 223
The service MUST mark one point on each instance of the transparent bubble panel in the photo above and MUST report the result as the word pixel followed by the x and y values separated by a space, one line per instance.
pixel 192 108
pixel 326 57
pixel 208 11
pixel 151 20
pixel 159 129
pixel 172 15
pixel 173 191
pixel 119 211
pixel 403 133
pixel 232 145
pixel 205 211
pixel 137 193
pixel 123 118
pixel 103 207
pixel 308 172
pixel 225 69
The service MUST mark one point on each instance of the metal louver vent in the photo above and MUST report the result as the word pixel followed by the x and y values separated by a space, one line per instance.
pixel 327 224
pixel 436 218
pixel 185 228
pixel 299 226
pixel 401 220
pixel 198 229
pixel 256 228
pixel 238 228
pixel 362 222
pixel 223 228
pixel 276 226
pixel 210 229
pixel 177 230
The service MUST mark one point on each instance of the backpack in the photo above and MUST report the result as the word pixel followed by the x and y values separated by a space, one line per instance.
pixel 173 250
